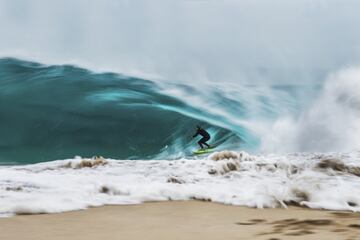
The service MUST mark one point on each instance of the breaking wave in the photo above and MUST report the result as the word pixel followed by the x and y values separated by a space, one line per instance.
pixel 61 111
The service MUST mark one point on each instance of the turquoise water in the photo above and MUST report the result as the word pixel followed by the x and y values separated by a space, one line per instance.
pixel 57 112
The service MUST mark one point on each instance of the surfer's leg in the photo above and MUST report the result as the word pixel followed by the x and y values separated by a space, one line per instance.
pixel 201 142
pixel 205 140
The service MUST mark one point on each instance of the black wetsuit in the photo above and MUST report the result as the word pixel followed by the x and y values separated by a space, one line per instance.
pixel 205 137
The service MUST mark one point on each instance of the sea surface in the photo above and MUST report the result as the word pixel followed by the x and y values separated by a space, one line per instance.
pixel 72 138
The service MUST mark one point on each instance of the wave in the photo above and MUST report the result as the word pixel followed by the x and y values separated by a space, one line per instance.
pixel 57 112
pixel 53 112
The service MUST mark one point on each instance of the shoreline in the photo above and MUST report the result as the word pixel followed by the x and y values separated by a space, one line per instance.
pixel 183 220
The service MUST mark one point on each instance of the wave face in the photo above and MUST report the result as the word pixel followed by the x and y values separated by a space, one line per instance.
pixel 57 112
pixel 53 112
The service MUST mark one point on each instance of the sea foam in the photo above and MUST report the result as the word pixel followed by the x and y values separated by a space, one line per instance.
pixel 325 181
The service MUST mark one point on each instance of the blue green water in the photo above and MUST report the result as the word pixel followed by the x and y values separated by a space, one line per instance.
pixel 57 112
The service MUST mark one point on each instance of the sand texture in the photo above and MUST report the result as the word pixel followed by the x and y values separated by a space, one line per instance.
pixel 183 220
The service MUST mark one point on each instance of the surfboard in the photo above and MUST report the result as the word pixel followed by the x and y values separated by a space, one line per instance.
pixel 203 151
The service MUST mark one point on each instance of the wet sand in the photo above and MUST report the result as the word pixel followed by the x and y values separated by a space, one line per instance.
pixel 183 220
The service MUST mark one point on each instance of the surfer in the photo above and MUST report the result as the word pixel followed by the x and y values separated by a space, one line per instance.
pixel 205 137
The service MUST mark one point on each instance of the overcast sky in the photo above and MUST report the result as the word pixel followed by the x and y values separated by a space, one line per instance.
pixel 247 41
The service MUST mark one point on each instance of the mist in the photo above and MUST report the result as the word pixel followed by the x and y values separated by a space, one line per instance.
pixel 258 42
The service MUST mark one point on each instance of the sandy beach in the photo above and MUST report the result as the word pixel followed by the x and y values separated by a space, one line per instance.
pixel 183 220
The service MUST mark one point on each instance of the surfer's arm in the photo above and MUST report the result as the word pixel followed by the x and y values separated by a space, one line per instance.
pixel 197 133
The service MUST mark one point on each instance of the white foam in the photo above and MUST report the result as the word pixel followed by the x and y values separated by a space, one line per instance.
pixel 255 181
pixel 331 123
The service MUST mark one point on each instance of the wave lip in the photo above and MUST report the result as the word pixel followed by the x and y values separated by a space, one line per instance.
pixel 260 181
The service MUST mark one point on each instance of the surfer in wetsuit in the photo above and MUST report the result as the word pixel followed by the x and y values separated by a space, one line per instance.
pixel 205 137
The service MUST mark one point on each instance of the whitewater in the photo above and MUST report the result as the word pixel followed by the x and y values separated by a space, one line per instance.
pixel 312 180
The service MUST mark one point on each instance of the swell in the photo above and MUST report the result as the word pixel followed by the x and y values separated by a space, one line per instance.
pixel 57 112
